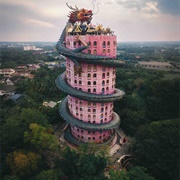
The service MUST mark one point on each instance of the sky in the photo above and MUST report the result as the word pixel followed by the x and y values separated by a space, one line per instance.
pixel 131 20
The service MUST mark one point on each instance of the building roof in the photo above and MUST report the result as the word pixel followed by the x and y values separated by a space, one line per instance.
pixel 7 88
pixel 15 97
pixel 155 63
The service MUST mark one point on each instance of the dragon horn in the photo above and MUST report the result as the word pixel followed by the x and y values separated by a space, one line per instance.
pixel 70 7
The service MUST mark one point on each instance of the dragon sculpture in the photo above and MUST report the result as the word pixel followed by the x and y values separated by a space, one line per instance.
pixel 79 15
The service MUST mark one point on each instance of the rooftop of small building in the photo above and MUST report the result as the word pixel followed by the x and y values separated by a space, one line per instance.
pixel 155 63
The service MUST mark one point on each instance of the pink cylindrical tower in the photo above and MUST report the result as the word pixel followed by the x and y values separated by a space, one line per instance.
pixel 90 82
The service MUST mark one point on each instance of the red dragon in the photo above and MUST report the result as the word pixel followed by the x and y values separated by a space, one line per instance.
pixel 79 15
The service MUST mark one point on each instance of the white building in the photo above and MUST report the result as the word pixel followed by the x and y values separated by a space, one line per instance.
pixel 7 72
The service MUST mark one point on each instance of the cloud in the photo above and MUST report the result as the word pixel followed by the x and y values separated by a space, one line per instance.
pixel 40 23
pixel 164 6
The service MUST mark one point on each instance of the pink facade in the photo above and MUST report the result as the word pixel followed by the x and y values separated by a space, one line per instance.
pixel 95 79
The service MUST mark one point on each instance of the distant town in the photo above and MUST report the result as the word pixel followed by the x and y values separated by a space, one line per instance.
pixel 163 56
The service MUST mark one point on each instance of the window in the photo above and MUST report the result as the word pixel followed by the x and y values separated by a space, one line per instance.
pixel 107 81
pixel 95 68
pixel 89 117
pixel 89 75
pixel 95 51
pixel 107 88
pixel 108 51
pixel 89 68
pixel 89 51
pixel 79 43
pixel 74 43
pixel 103 83
pixel 94 90
pixel 89 43
pixel 107 73
pixel 93 138
pixel 95 43
pixel 89 82
pixel 102 90
pixel 102 109
pixel 75 81
pixel 80 82
pixel 89 110
pixel 103 75
pixel 94 82
pixel 104 51
pixel 89 138
pixel 108 43
pixel 94 110
pixel 104 44
pixel 89 90
pixel 94 75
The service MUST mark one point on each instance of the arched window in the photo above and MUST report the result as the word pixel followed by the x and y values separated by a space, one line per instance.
pixel 94 68
pixel 89 43
pixel 89 90
pixel 89 68
pixel 94 82
pixel 79 43
pixel 102 90
pixel 104 51
pixel 108 51
pixel 89 75
pixel 103 83
pixel 103 75
pixel 94 90
pixel 108 43
pixel 95 43
pixel 107 81
pixel 89 82
pixel 94 75
pixel 89 51
pixel 95 51
pixel 80 82
pixel 104 44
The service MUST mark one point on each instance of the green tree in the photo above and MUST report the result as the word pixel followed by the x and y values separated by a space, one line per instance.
pixel 157 148
pixel 23 163
pixel 139 173
pixel 50 175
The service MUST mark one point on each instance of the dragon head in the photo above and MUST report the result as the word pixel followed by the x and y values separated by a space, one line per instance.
pixel 79 15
